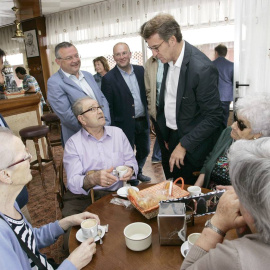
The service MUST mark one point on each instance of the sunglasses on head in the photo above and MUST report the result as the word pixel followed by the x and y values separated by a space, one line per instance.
pixel 240 123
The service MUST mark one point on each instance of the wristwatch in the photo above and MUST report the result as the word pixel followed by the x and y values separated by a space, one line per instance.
pixel 208 224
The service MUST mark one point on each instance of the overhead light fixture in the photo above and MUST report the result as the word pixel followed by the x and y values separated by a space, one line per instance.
pixel 19 36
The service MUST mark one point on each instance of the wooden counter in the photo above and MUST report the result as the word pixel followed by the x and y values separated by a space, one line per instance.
pixel 21 111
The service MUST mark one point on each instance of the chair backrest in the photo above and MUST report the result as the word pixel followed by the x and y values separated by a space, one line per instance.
pixel 60 188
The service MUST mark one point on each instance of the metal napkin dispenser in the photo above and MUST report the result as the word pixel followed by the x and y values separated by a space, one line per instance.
pixel 171 223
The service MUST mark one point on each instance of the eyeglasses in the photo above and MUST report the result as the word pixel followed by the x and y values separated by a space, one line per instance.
pixel 156 49
pixel 121 54
pixel 240 123
pixel 29 156
pixel 70 58
pixel 92 109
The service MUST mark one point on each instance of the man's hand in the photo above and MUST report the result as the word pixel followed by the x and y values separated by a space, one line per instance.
pixel 127 175
pixel 177 157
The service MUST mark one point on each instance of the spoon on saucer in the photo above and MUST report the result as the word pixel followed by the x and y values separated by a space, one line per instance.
pixel 99 234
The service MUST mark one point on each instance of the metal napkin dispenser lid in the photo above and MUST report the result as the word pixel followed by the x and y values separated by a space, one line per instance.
pixel 172 223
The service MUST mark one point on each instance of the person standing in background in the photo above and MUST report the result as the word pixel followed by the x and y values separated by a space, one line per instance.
pixel 124 88
pixel 153 78
pixel 70 83
pixel 225 83
pixel 101 67
pixel 30 84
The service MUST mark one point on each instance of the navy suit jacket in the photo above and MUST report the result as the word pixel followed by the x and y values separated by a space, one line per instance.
pixel 225 84
pixel 121 102
pixel 63 92
pixel 198 108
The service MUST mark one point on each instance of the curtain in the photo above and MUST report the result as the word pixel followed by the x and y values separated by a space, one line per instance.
pixel 117 18
pixel 6 44
pixel 252 46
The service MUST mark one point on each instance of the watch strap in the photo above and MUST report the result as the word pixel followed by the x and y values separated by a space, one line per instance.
pixel 208 224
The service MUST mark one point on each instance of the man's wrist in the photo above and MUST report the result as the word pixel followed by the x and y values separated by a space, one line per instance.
pixel 209 224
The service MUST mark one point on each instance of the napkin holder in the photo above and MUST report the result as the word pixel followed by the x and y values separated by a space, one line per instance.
pixel 171 223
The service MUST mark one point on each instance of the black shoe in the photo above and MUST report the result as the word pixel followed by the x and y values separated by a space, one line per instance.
pixel 143 178
pixel 133 182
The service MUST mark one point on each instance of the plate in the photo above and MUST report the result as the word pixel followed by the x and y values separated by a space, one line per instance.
pixel 123 191
pixel 81 238
pixel 184 249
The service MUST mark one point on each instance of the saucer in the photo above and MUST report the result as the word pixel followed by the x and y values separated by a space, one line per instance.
pixel 81 238
pixel 184 249
pixel 123 191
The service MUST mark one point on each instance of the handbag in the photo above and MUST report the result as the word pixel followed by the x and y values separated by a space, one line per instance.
pixel 28 251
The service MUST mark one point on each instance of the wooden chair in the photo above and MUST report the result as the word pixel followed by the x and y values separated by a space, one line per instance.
pixel 60 188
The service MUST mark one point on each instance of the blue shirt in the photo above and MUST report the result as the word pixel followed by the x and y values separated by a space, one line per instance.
pixel 134 88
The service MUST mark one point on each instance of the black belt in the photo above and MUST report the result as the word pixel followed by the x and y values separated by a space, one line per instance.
pixel 140 118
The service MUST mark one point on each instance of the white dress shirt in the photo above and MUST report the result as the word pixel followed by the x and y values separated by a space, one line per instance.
pixel 171 90
pixel 82 83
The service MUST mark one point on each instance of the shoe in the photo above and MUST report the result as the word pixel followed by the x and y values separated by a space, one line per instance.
pixel 143 178
pixel 133 182
pixel 155 161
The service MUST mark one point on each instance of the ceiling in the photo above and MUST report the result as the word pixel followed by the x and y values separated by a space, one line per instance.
pixel 7 16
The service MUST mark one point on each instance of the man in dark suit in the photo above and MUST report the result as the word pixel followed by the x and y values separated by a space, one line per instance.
pixel 225 83
pixel 189 113
pixel 123 86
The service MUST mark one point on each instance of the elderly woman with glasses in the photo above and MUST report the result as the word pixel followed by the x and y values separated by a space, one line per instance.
pixel 20 243
pixel 247 204
pixel 252 121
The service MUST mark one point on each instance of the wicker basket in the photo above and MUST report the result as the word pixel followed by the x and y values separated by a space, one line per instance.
pixel 152 212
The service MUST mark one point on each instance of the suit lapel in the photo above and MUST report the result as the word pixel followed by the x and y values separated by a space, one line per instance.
pixel 121 82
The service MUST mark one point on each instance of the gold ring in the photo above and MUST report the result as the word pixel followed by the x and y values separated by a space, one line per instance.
pixel 108 182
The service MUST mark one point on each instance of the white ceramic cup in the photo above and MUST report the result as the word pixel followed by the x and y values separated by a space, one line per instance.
pixel 192 238
pixel 194 190
pixel 89 228
pixel 122 170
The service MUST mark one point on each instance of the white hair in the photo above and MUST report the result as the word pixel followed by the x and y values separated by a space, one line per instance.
pixel 6 147
pixel 256 109
pixel 250 176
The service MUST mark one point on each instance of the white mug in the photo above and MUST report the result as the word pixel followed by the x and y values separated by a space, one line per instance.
pixel 122 170
pixel 194 190
pixel 89 228
pixel 192 238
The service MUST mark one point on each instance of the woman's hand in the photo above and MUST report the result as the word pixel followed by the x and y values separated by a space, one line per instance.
pixel 200 180
pixel 83 254
pixel 77 219
pixel 228 214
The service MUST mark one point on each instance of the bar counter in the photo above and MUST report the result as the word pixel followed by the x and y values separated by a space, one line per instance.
pixel 21 111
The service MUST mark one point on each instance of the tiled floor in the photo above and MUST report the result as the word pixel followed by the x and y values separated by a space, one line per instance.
pixel 43 206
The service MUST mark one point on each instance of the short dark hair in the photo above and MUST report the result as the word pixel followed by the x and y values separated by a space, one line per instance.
pixel 164 25
pixel 221 50
pixel 2 53
pixel 104 62
pixel 20 70
pixel 61 45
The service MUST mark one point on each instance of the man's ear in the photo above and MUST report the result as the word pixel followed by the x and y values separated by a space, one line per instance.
pixel 57 61
pixel 5 177
pixel 80 119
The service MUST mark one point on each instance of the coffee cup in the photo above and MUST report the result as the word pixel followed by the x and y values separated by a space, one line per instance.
pixel 121 170
pixel 194 190
pixel 192 238
pixel 89 228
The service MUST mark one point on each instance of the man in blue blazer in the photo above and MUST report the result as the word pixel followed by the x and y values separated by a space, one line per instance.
pixel 225 83
pixel 189 113
pixel 123 86
pixel 69 84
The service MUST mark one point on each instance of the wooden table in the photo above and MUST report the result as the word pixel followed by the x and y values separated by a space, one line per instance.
pixel 114 254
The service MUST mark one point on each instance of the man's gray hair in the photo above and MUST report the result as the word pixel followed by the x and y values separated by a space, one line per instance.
pixel 77 107
pixel 256 109
pixel 6 153
pixel 61 45
pixel 249 163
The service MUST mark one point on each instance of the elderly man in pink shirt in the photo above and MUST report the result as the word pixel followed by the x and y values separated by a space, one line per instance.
pixel 91 155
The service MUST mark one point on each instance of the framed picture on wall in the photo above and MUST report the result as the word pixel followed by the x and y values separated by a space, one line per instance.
pixel 31 44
